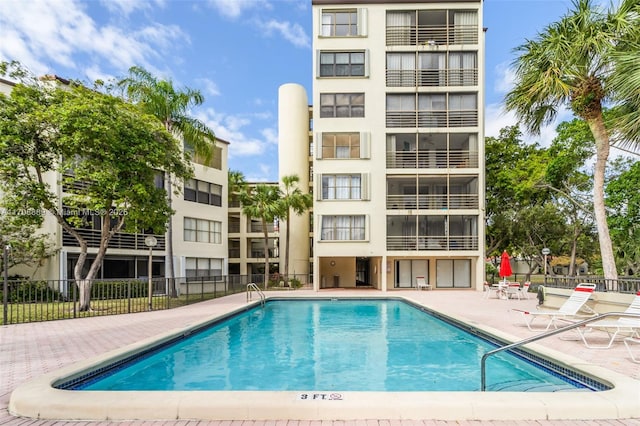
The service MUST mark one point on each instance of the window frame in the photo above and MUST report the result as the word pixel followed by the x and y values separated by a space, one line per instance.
pixel 333 105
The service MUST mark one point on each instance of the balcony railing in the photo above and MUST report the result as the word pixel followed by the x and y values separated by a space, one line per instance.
pixel 432 159
pixel 259 254
pixel 434 118
pixel 257 227
pixel 432 242
pixel 424 78
pixel 120 240
pixel 431 35
pixel 234 227
pixel 432 202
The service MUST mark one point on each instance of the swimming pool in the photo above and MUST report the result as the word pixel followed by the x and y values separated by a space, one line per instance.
pixel 39 398
pixel 330 345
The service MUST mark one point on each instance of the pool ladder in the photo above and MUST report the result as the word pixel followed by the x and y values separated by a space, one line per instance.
pixel 483 374
pixel 251 287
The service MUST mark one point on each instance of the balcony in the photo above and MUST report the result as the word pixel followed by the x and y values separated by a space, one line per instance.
pixel 120 240
pixel 432 202
pixel 431 35
pixel 259 254
pixel 432 118
pixel 432 242
pixel 432 77
pixel 432 159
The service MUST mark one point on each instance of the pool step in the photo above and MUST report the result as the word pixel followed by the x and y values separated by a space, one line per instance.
pixel 531 386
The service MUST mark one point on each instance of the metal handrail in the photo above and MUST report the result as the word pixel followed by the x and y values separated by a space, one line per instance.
pixel 253 287
pixel 542 336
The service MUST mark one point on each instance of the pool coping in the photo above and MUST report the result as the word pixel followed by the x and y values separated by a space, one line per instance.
pixel 39 399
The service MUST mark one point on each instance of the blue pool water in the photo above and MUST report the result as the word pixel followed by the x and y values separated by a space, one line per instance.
pixel 329 345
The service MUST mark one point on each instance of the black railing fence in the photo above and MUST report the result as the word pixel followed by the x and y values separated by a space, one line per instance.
pixel 621 285
pixel 45 300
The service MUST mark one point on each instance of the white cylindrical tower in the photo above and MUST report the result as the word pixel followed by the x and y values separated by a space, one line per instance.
pixel 293 159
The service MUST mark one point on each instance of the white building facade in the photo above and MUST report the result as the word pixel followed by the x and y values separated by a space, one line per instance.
pixel 398 144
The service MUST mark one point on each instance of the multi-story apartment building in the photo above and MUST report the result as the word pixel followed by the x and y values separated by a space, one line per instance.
pixel 199 229
pixel 398 143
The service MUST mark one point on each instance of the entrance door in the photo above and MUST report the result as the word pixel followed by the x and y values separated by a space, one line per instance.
pixel 362 271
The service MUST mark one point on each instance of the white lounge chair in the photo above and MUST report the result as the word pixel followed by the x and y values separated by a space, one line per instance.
pixel 628 343
pixel 422 284
pixel 625 326
pixel 568 310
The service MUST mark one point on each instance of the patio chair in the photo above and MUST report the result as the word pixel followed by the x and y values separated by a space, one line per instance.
pixel 422 284
pixel 569 309
pixel 627 342
pixel 525 289
pixel 513 290
pixel 629 327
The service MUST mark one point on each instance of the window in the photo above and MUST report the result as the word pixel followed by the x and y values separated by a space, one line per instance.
pixel 202 230
pixel 401 69
pixel 463 68
pixel 341 187
pixel 343 228
pixel 341 105
pixel 340 23
pixel 342 64
pixel 340 145
pixel 216 156
pixel 401 110
pixel 203 192
pixel 203 267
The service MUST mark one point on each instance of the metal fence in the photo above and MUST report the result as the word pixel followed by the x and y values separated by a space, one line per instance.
pixel 45 300
pixel 621 285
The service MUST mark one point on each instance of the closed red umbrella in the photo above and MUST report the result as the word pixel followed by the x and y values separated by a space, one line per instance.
pixel 505 265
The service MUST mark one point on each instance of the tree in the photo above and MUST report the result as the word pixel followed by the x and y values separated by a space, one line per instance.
pixel 625 83
pixel 19 229
pixel 293 200
pixel 623 200
pixel 262 202
pixel 571 63
pixel 237 184
pixel 105 151
pixel 161 99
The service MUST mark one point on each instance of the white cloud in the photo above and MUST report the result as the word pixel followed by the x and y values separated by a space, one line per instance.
pixel 230 128
pixel 270 135
pixel 261 174
pixel 210 86
pixel 234 8
pixel 293 33
pixel 496 118
pixel 505 77
pixel 47 35
pixel 127 7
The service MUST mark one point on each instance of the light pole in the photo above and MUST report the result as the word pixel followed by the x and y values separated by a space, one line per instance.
pixel 150 242
pixel 6 248
pixel 545 252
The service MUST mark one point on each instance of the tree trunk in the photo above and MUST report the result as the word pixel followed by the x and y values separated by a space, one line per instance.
pixel 266 253
pixel 286 254
pixel 170 273
pixel 574 250
pixel 602 154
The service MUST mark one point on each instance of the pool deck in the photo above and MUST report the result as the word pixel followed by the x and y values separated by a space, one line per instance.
pixel 28 351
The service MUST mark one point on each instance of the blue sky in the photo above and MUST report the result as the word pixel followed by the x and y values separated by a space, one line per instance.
pixel 236 52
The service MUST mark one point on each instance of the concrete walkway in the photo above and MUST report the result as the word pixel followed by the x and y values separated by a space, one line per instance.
pixel 30 350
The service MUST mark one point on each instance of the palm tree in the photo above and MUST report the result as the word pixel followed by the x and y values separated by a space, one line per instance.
pixel 626 84
pixel 161 99
pixel 236 184
pixel 293 200
pixel 570 62
pixel 262 202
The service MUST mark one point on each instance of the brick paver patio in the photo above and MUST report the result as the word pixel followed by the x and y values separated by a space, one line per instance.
pixel 29 350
